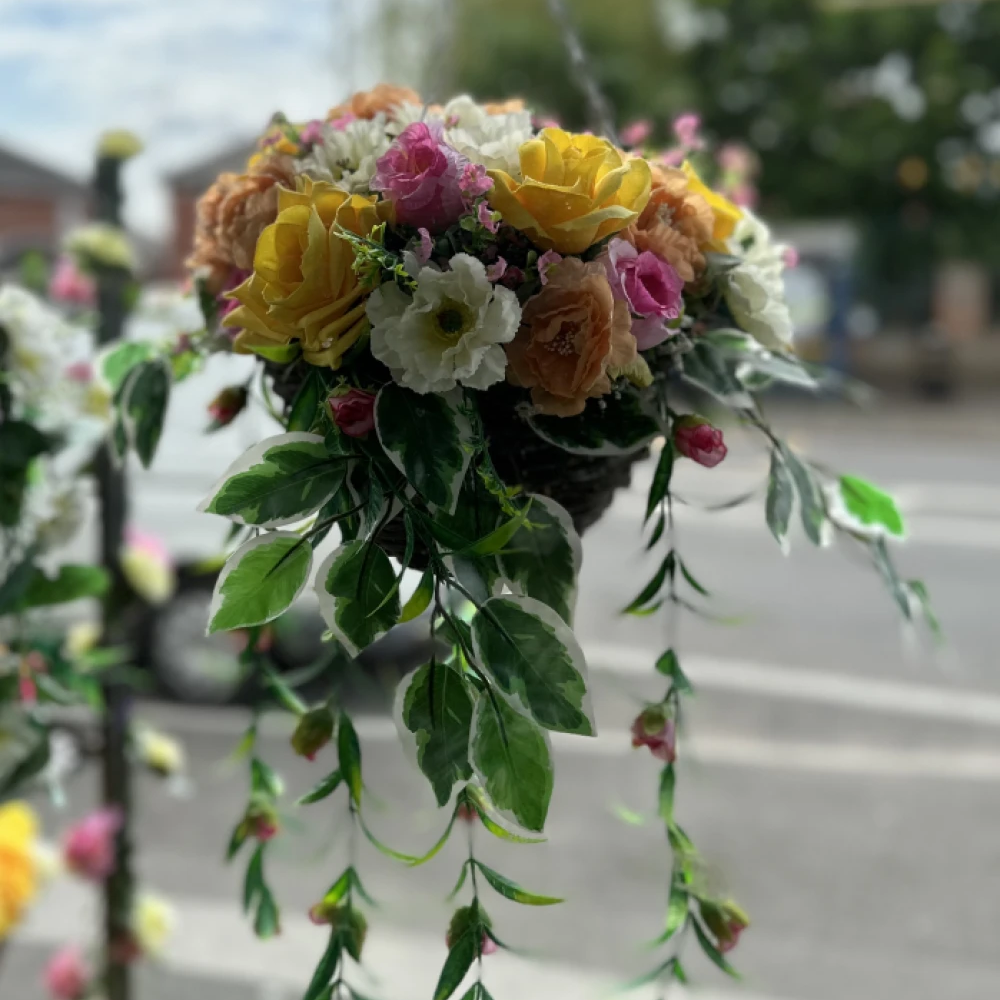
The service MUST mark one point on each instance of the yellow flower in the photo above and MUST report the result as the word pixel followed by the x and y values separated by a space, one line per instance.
pixel 81 639
pixel 119 144
pixel 153 922
pixel 577 189
pixel 159 752
pixel 726 213
pixel 18 868
pixel 303 287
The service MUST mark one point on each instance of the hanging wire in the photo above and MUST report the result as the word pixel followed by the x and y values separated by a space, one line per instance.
pixel 601 115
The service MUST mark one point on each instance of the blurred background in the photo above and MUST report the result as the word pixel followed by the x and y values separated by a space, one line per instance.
pixel 843 776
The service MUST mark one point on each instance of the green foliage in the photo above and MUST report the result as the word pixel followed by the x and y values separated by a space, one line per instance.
pixel 870 505
pixel 349 754
pixel 305 411
pixel 780 498
pixel 118 362
pixel 812 510
pixel 144 400
pixel 322 789
pixel 511 890
pixel 436 707
pixel 617 424
pixel 260 581
pixel 511 757
pixel 71 583
pixel 279 481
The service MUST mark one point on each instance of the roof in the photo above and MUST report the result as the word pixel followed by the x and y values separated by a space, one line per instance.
pixel 199 176
pixel 23 176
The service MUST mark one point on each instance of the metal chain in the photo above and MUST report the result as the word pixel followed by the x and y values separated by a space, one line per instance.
pixel 602 117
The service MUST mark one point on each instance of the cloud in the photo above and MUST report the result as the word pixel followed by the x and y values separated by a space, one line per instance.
pixel 190 77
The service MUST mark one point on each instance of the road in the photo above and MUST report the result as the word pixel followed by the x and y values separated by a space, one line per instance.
pixel 841 776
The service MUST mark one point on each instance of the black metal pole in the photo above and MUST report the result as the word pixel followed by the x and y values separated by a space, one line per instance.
pixel 112 285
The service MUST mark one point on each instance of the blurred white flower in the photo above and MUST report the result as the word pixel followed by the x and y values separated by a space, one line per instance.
pixel 159 752
pixel 494 140
pixel 103 244
pixel 153 922
pixel 448 332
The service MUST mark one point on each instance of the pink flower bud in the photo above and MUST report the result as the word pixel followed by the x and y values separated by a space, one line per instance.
pixel 89 847
pixel 70 285
pixel 227 406
pixel 726 921
pixel 697 439
pixel 67 975
pixel 466 813
pixel 653 728
pixel 637 132
pixel 354 412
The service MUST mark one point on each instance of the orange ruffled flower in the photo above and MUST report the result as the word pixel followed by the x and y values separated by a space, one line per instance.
pixel 368 103
pixel 303 287
pixel 571 333
pixel 233 213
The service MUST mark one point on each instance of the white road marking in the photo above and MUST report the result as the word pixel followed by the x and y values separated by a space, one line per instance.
pixel 213 940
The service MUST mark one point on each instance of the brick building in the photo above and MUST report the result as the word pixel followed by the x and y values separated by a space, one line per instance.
pixel 186 187
pixel 38 206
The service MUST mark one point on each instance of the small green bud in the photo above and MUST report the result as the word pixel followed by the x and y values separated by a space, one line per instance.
pixel 314 731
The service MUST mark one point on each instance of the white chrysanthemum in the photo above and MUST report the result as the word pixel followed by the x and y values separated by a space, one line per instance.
pixel 754 290
pixel 347 156
pixel 448 332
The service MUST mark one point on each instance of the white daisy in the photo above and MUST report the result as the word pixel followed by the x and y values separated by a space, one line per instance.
pixel 448 332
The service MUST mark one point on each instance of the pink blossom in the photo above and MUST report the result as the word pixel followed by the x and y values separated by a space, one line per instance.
pixel 697 439
pixel 686 128
pixel 546 262
pixel 673 157
pixel 27 689
pixel 80 371
pixel 312 132
pixel 791 257
pixel 653 729
pixel 420 174
pixel 636 133
pixel 67 975
pixel 651 287
pixel 735 158
pixel 426 246
pixel 354 412
pixel 475 182
pixel 149 545
pixel 744 194
pixel 485 217
pixel 70 285
pixel 544 121
pixel 343 121
pixel 89 848
pixel 496 270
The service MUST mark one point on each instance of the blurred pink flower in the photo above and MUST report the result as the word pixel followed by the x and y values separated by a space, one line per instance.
pixel 495 271
pixel 687 128
pixel 420 174
pixel 474 181
pixel 652 728
pixel 70 285
pixel 735 158
pixel 343 121
pixel 80 371
pixel 697 439
pixel 672 157
pixel 89 847
pixel 636 133
pixel 426 246
pixel 67 975
pixel 312 131
pixel 791 257
pixel 546 262
pixel 485 216
pixel 745 194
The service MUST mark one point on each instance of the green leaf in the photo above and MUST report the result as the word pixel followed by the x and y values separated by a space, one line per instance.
pixel 617 424
pixel 712 952
pixel 427 438
pixel 669 666
pixel 268 921
pixel 264 779
pixel 691 581
pixel 705 367
pixel 120 360
pixel 780 496
pixel 410 860
pixel 511 757
pixel 535 658
pixel 144 403
pixel 811 509
pixel 71 583
pixel 660 485
pixel 349 752
pixel 511 890
pixel 20 444
pixel 260 581
pixel 918 589
pixel 253 881
pixel 660 527
pixel 543 558
pixel 357 592
pixel 463 953
pixel 435 706
pixel 499 538
pixel 326 968
pixel 305 409
pixel 323 789
pixel 420 599
pixel 677 907
pixel 281 480
pixel 655 585
pixel 668 781
pixel 887 570
pixel 17 581
pixel 870 505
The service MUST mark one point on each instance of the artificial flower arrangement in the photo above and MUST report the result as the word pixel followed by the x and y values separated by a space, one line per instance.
pixel 477 323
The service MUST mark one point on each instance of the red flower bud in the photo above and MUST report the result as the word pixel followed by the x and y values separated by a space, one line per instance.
pixel 314 731
pixel 464 920
pixel 697 439
pixel 726 921
pixel 655 729
pixel 354 412
pixel 227 406
pixel 261 821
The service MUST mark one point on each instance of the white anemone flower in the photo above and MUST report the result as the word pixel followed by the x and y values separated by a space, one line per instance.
pixel 448 332
pixel 754 290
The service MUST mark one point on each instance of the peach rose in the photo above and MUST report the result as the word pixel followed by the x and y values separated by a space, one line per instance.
pixel 676 224
pixel 368 103
pixel 571 333
pixel 235 210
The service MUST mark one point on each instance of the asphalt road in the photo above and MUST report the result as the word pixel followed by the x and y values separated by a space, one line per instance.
pixel 841 777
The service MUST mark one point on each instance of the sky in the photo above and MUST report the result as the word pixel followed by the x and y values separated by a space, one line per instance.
pixel 189 77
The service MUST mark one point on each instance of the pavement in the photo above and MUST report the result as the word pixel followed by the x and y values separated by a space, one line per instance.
pixel 840 773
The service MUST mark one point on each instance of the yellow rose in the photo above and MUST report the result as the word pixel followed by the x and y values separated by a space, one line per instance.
pixel 18 868
pixel 577 189
pixel 726 213
pixel 303 287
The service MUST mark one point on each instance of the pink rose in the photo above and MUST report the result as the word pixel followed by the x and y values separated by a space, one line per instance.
pixel 70 285
pixel 422 176
pixel 651 287
pixel 353 413
pixel 89 848
pixel 697 439
pixel 654 729
pixel 67 975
